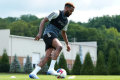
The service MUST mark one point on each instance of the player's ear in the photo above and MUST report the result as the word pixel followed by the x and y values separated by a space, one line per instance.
pixel 66 8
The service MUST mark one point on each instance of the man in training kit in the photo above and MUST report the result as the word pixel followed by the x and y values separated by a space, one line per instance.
pixel 58 22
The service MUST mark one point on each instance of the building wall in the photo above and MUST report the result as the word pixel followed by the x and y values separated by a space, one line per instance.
pixel 23 46
pixel 93 52
pixel 4 40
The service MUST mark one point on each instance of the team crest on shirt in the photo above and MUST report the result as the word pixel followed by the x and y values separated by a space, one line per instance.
pixel 60 22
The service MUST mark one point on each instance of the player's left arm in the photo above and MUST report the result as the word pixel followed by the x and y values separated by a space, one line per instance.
pixel 64 35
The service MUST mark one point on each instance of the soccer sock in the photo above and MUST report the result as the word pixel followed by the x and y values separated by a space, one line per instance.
pixel 35 71
pixel 52 65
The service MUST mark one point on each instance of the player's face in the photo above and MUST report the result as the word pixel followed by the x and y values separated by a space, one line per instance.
pixel 69 11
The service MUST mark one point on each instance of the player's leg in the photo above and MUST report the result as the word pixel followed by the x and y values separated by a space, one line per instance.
pixel 56 44
pixel 46 58
pixel 41 64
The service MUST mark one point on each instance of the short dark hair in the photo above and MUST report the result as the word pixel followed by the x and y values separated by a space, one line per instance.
pixel 69 4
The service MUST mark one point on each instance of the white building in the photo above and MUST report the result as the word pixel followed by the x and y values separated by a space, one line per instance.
pixel 23 46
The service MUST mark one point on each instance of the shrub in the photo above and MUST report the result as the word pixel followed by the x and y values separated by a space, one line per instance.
pixel 4 62
pixel 62 63
pixel 87 68
pixel 113 67
pixel 15 65
pixel 77 65
pixel 28 65
pixel 100 68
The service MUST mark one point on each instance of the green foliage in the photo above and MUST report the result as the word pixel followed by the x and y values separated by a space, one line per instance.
pixel 19 27
pixel 100 29
pixel 28 18
pixel 28 65
pixel 118 42
pixel 56 66
pixel 48 63
pixel 62 63
pixel 77 66
pixel 15 65
pixel 87 68
pixel 106 20
pixel 113 63
pixel 112 33
pixel 11 19
pixel 102 43
pixel 4 67
pixel 119 58
pixel 4 24
pixel 100 68
pixel 111 44
pixel 5 58
pixel 44 69
pixel 4 62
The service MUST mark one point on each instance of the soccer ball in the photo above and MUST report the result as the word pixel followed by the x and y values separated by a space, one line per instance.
pixel 62 73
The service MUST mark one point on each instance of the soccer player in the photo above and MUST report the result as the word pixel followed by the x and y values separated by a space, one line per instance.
pixel 58 22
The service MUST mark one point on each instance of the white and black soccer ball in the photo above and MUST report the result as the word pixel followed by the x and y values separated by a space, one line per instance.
pixel 62 72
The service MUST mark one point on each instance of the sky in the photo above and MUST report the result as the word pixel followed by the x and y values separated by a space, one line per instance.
pixel 85 9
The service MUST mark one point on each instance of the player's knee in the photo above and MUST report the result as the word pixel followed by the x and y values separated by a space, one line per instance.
pixel 60 47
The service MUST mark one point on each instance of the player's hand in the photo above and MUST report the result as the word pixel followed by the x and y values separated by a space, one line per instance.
pixel 68 48
pixel 37 37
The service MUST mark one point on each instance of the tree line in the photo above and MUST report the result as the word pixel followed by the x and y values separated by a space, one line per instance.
pixel 87 68
pixel 105 30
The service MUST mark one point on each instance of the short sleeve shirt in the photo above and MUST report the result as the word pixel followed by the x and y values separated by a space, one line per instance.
pixel 51 28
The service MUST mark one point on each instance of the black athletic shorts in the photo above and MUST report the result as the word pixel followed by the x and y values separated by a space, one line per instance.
pixel 48 38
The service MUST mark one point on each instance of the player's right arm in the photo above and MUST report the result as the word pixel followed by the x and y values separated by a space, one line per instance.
pixel 41 28
pixel 51 16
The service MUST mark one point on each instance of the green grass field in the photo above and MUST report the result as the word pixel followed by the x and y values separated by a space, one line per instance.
pixel 4 76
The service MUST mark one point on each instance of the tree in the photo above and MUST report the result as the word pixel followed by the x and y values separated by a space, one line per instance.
pixel 15 65
pixel 28 18
pixel 48 63
pixel 44 69
pixel 113 63
pixel 112 33
pixel 3 24
pixel 62 63
pixel 119 62
pixel 119 58
pixel 77 66
pixel 56 66
pixel 19 27
pixel 111 44
pixel 101 42
pixel 32 31
pixel 28 65
pixel 4 62
pixel 92 34
pixel 5 58
pixel 100 68
pixel 11 19
pixel 87 68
